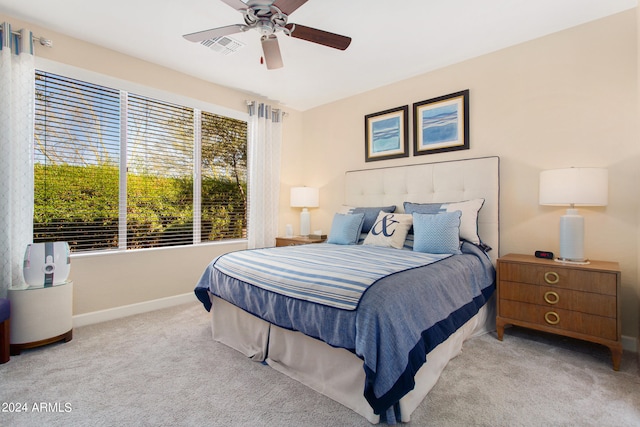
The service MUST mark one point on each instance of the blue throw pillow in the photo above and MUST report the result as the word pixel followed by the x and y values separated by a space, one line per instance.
pixel 469 215
pixel 371 214
pixel 345 229
pixel 437 233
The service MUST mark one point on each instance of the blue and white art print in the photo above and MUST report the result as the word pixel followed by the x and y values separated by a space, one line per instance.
pixel 441 124
pixel 386 134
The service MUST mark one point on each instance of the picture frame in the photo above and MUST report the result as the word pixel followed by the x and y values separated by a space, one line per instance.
pixel 387 134
pixel 441 124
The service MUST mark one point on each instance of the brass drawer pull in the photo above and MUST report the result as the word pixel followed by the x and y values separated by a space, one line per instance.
pixel 552 318
pixel 551 277
pixel 551 297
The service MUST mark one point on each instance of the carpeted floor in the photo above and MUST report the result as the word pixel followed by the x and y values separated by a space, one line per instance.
pixel 163 369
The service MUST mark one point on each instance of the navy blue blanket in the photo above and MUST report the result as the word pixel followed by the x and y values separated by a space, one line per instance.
pixel 399 319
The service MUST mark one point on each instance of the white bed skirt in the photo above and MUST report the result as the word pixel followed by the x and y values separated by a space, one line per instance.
pixel 334 372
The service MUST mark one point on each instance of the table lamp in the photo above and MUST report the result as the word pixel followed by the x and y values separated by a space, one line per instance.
pixel 573 187
pixel 304 197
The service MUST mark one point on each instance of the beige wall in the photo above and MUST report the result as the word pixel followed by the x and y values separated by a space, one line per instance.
pixel 105 281
pixel 568 99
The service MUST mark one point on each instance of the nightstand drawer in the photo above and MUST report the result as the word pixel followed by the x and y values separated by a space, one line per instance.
pixel 582 323
pixel 568 278
pixel 558 298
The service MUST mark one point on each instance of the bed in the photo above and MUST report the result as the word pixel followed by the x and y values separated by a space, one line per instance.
pixel 362 338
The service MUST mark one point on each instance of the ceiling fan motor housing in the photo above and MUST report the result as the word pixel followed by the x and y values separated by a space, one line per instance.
pixel 265 18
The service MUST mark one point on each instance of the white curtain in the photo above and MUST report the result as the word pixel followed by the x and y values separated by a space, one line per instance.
pixel 265 139
pixel 17 88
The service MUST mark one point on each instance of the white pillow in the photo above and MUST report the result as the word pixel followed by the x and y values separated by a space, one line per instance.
pixel 389 230
pixel 468 220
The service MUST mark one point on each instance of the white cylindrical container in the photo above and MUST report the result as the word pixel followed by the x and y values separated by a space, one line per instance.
pixel 41 315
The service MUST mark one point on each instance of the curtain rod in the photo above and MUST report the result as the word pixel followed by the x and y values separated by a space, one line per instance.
pixel 284 113
pixel 41 40
pixel 44 42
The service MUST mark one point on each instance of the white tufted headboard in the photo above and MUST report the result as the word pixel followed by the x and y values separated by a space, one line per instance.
pixel 450 181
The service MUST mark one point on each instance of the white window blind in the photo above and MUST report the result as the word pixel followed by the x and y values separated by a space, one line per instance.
pixel 224 177
pixel 159 173
pixel 76 156
pixel 83 196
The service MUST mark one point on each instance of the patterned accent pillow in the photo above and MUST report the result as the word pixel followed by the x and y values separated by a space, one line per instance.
pixel 389 230
pixel 345 229
pixel 370 215
pixel 437 233
pixel 468 220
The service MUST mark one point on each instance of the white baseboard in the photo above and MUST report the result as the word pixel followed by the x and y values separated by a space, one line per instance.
pixel 630 343
pixel 129 310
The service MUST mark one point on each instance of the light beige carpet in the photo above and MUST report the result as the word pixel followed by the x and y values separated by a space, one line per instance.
pixel 163 369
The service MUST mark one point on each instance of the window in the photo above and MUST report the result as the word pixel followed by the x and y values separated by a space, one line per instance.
pixel 224 177
pixel 117 170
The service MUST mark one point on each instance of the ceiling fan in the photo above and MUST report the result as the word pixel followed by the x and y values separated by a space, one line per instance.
pixel 268 17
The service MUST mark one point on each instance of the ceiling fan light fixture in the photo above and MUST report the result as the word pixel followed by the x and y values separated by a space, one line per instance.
pixel 271 50
pixel 265 27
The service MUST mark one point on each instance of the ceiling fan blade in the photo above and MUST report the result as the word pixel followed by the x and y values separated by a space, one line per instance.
pixel 271 50
pixel 236 4
pixel 288 6
pixel 325 38
pixel 215 32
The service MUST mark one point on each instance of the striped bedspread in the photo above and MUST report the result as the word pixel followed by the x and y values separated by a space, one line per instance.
pixel 332 275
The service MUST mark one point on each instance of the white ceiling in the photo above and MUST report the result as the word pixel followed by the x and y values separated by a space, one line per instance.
pixel 392 40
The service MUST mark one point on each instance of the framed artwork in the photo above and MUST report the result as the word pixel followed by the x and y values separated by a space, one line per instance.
pixel 387 134
pixel 441 124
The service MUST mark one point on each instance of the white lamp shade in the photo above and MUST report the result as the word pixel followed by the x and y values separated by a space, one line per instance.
pixel 305 197
pixel 574 186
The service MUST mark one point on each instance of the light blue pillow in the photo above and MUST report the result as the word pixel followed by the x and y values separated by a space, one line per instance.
pixel 345 228
pixel 469 215
pixel 437 233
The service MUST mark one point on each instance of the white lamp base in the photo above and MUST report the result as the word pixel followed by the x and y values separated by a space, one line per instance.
pixel 572 237
pixel 305 222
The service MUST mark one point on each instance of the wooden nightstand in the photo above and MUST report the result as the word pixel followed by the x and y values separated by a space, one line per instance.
pixel 578 301
pixel 299 240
